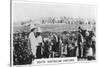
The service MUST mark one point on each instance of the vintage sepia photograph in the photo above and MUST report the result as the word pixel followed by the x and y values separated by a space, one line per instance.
pixel 50 33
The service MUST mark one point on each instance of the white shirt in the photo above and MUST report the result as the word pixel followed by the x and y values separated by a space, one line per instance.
pixel 33 39
pixel 33 42
pixel 39 39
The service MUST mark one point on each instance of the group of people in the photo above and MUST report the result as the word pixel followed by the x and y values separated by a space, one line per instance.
pixel 86 44
pixel 80 44
pixel 21 52
pixel 33 45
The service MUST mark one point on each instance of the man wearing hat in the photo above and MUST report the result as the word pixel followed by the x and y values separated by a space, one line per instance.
pixel 39 40
pixel 80 41
pixel 32 40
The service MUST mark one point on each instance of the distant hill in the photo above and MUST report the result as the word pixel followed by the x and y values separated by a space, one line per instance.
pixel 54 27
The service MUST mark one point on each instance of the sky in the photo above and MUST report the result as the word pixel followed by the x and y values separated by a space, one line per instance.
pixel 23 11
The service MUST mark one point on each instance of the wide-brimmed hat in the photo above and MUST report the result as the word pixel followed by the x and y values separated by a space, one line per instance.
pixel 39 29
pixel 32 26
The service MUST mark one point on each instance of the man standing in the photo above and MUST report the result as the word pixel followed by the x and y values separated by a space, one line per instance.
pixel 39 51
pixel 80 40
pixel 33 41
